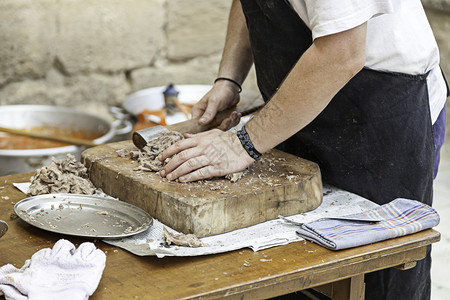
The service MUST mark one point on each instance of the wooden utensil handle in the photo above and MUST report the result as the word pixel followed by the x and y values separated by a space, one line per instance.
pixel 192 125
pixel 63 139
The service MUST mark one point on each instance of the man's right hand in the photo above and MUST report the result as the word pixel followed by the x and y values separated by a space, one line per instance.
pixel 222 95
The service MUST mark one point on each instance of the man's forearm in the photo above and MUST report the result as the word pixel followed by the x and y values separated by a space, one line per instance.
pixel 318 75
pixel 237 56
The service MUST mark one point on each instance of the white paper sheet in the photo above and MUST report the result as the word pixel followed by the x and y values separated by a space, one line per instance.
pixel 265 235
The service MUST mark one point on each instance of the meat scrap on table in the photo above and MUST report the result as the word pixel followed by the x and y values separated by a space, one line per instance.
pixel 61 176
pixel 181 239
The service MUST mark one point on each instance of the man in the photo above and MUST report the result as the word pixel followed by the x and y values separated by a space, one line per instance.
pixel 352 85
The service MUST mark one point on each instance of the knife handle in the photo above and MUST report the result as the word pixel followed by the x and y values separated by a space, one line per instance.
pixel 192 125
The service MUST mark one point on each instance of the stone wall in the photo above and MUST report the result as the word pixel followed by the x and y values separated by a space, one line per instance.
pixel 437 4
pixel 93 53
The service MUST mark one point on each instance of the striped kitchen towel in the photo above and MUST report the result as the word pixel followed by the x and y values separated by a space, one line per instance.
pixel 397 218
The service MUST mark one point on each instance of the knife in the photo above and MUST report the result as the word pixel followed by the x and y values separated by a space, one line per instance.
pixel 141 137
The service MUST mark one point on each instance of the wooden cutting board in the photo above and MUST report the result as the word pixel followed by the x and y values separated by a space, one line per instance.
pixel 277 184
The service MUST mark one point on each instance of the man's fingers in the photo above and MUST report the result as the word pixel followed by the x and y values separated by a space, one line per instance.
pixel 179 159
pixel 199 109
pixel 188 166
pixel 209 114
pixel 199 174
pixel 177 147
pixel 230 122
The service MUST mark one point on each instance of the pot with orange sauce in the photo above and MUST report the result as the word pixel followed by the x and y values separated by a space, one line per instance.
pixel 19 154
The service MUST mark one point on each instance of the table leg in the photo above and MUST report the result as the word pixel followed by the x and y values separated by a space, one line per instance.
pixel 347 289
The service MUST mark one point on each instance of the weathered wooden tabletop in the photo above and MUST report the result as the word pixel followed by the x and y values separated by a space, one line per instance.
pixel 241 274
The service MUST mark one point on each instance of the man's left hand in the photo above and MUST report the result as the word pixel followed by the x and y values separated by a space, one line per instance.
pixel 204 155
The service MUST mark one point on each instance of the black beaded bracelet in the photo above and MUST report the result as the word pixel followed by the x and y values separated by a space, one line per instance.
pixel 230 80
pixel 247 144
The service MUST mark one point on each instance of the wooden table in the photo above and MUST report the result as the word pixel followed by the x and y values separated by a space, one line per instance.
pixel 241 274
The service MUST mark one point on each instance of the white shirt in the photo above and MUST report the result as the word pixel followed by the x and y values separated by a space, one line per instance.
pixel 399 37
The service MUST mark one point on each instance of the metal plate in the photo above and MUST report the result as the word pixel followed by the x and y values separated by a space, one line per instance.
pixel 83 215
pixel 3 228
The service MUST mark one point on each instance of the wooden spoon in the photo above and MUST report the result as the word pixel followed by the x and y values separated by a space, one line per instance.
pixel 63 139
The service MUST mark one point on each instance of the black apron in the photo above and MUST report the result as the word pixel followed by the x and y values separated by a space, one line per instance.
pixel 374 138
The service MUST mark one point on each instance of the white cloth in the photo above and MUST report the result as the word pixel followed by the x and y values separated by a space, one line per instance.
pixel 399 37
pixel 53 274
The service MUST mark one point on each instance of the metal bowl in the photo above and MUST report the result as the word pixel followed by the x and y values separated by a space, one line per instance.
pixel 14 161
